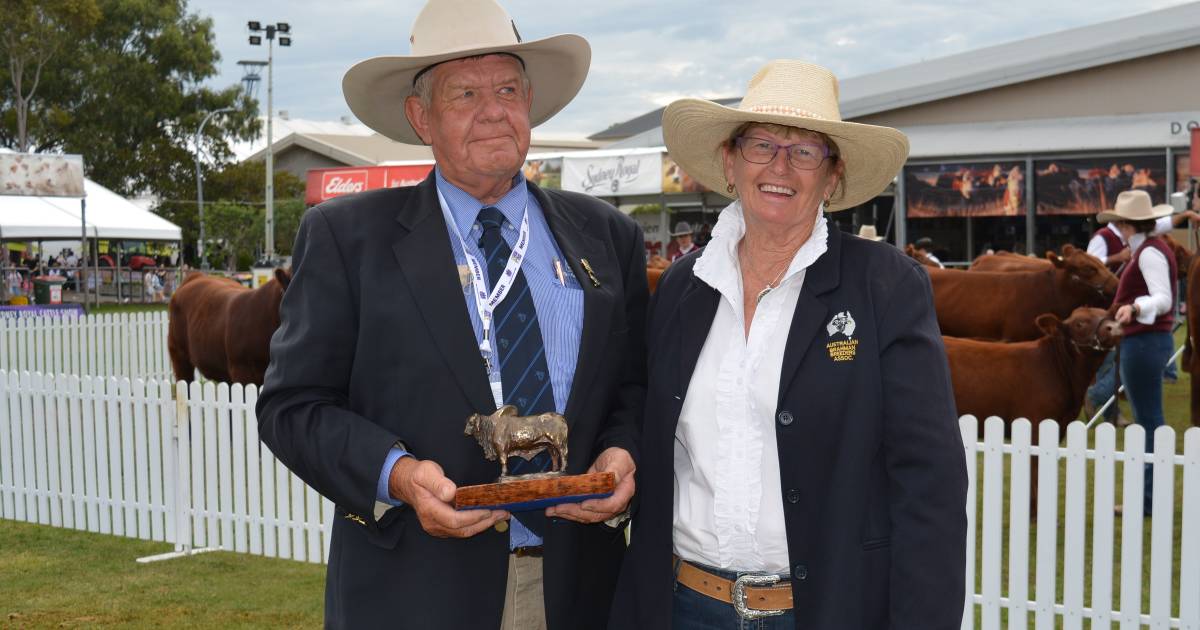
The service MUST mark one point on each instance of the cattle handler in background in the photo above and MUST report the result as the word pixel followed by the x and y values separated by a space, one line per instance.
pixel 1146 311
pixel 412 308
pixel 1110 246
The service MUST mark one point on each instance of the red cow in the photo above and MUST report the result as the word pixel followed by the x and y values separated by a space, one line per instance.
pixel 1036 380
pixel 920 257
pixel 1008 261
pixel 1003 306
pixel 224 329
pixel 1191 358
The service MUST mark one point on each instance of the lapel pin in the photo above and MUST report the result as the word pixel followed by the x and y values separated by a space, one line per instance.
pixel 591 274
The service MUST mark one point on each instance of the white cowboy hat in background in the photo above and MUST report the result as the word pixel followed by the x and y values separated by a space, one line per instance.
pixel 681 228
pixel 445 30
pixel 1135 205
pixel 796 94
pixel 868 232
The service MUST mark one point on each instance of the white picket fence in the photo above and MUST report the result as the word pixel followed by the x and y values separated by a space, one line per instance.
pixel 124 457
pixel 132 345
pixel 183 465
pixel 1069 556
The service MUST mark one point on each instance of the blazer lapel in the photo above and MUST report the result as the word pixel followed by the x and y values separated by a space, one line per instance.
pixel 428 266
pixel 811 310
pixel 696 310
pixel 567 225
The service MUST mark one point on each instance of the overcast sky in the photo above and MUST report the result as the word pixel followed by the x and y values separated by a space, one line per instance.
pixel 645 53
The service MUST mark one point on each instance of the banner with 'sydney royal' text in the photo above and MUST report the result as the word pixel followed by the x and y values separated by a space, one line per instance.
pixel 614 175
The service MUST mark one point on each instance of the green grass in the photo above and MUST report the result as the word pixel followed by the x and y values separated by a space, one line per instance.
pixel 124 308
pixel 52 577
pixel 59 578
pixel 1177 413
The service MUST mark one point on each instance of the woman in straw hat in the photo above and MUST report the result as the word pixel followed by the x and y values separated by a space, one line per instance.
pixel 801 462
pixel 1146 310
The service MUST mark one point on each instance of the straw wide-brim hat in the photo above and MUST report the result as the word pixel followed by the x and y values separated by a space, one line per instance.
pixel 1134 205
pixel 868 232
pixel 795 94
pixel 445 30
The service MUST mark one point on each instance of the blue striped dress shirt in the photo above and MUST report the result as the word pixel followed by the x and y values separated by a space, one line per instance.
pixel 559 305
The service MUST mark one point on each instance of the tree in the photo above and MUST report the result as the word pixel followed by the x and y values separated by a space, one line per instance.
pixel 32 33
pixel 129 97
pixel 242 185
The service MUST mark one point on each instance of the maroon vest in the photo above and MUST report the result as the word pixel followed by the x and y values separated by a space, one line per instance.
pixel 1113 243
pixel 1133 285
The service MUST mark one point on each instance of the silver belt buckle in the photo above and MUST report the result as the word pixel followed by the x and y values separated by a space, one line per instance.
pixel 739 595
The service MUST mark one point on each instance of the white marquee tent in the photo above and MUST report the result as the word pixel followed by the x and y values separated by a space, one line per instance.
pixel 109 216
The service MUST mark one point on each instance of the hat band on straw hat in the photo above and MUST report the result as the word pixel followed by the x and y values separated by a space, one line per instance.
pixel 784 110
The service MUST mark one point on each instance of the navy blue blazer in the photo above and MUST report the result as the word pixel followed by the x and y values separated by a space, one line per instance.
pixel 375 345
pixel 872 470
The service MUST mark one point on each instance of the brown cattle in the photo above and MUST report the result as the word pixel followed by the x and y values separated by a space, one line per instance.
pixel 1044 378
pixel 222 328
pixel 1183 257
pixel 920 257
pixel 1003 306
pixel 655 267
pixel 1191 358
pixel 1007 261
pixel 504 434
pixel 1036 380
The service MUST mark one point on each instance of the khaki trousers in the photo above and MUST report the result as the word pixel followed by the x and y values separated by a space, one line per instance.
pixel 524 607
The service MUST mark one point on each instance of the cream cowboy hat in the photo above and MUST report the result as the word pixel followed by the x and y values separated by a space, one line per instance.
pixel 376 88
pixel 1135 205
pixel 868 232
pixel 792 93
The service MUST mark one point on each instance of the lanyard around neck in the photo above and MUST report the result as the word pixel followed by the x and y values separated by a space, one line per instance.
pixel 485 302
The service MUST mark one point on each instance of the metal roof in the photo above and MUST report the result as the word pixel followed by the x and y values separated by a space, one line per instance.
pixel 1024 60
pixel 986 68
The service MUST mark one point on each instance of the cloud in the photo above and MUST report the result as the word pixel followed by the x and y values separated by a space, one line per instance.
pixel 646 53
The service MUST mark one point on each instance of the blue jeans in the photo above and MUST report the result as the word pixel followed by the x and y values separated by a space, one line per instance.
pixel 694 611
pixel 1142 359
pixel 1105 386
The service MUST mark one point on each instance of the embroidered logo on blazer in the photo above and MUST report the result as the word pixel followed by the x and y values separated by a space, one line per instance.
pixel 842 349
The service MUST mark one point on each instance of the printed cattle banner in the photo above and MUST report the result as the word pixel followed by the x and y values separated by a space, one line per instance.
pixel 1090 185
pixel 985 189
pixel 37 175
pixel 675 180
pixel 605 174
pixel 546 172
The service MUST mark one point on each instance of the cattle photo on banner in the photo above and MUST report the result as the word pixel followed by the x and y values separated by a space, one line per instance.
pixel 1085 186
pixel 546 172
pixel 985 189
pixel 676 180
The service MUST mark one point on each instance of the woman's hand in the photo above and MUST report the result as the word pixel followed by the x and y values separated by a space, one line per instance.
pixel 1126 313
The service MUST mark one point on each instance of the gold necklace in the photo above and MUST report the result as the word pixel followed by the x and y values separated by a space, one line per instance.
pixel 771 286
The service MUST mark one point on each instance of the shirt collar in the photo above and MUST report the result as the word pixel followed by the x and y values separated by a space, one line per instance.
pixel 718 264
pixel 464 208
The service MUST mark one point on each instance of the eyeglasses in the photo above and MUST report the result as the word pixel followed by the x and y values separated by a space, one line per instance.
pixel 806 156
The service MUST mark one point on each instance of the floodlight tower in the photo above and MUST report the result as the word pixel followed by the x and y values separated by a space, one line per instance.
pixel 285 39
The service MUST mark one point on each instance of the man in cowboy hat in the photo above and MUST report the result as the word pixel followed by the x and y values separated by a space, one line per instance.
pixel 412 308
pixel 683 243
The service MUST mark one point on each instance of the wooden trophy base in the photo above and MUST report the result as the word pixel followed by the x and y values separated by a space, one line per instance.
pixel 534 492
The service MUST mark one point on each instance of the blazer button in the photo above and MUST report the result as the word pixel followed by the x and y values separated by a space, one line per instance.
pixel 800 572
pixel 793 496
pixel 785 418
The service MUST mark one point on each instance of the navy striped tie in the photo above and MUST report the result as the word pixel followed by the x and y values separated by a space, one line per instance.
pixel 519 347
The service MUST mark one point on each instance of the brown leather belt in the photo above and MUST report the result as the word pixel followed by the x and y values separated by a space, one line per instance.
pixel 742 593
pixel 528 552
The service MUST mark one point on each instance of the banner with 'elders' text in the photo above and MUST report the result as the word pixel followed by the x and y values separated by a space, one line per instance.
pixel 327 183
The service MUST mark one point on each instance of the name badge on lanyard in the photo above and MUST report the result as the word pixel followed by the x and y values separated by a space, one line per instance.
pixel 486 303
